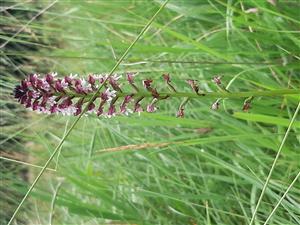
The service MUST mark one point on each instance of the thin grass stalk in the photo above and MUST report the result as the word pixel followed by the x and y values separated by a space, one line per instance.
pixel 281 199
pixel 274 163
pixel 83 111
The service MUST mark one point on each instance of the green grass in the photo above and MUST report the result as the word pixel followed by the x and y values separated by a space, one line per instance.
pixel 208 168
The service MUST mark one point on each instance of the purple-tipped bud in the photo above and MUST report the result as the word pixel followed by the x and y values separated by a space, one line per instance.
pixel 130 77
pixel 54 108
pixel 49 78
pixel 35 105
pixel 78 107
pixel 180 112
pixel 111 110
pixel 65 103
pixel 123 107
pixel 167 78
pixel 32 79
pixel 215 105
pixel 91 106
pixel 59 86
pixel 68 80
pixel 113 81
pixel 246 106
pixel 137 107
pixel 193 84
pixel 151 108
pixel 100 110
pixel 92 80
pixel 20 91
pixel 147 83
pixel 217 80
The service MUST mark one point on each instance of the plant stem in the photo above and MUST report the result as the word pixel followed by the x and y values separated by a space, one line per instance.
pixel 145 94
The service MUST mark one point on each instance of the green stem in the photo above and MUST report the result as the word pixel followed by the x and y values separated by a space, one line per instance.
pixel 245 94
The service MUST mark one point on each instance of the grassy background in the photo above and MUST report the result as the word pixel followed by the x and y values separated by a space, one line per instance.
pixel 208 168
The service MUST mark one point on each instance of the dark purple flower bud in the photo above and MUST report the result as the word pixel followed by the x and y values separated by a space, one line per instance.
pixel 59 86
pixel 91 80
pixel 49 78
pixel 113 82
pixel 78 106
pixel 137 107
pixel 19 91
pixel 167 78
pixel 91 106
pixel 123 107
pixel 24 84
pixel 32 79
pixel 79 89
pixel 23 99
pixel 65 103
pixel 130 77
pixel 180 112
pixel 44 101
pixel 100 110
pixel 111 110
pixel 147 83
pixel 68 80
pixel 193 84
pixel 217 80
pixel 35 105
pixel 53 108
pixel 151 108
pixel 39 83
pixel 28 103
pixel 246 106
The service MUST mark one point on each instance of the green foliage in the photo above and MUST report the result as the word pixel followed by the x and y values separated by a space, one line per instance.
pixel 208 168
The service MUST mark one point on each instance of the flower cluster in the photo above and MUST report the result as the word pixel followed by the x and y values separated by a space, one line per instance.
pixel 65 96
pixel 72 95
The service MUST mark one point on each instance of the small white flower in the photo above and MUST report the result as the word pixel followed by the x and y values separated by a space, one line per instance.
pixel 64 84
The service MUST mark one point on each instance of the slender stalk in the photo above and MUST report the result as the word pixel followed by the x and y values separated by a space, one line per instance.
pixel 281 199
pixel 83 111
pixel 145 94
pixel 274 163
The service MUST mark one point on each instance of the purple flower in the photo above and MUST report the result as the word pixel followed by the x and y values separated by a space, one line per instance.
pixel 130 77
pixel 50 77
pixel 100 110
pixel 91 80
pixel 113 81
pixel 60 85
pixel 32 79
pixel 123 107
pixel 138 108
pixel 151 107
pixel 180 112
pixel 65 103
pixel 217 80
pixel 91 107
pixel 193 84
pixel 111 110
pixel 167 78
pixel 147 83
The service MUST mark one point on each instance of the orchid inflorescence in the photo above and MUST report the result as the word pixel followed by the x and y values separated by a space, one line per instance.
pixel 71 95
